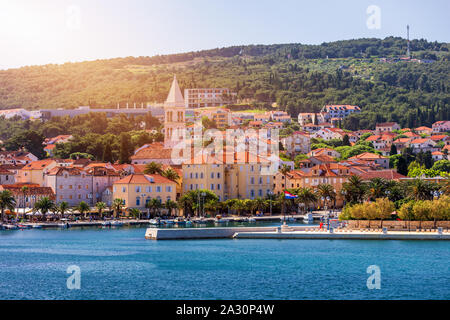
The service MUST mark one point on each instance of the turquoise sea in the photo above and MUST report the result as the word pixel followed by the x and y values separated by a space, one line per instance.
pixel 121 264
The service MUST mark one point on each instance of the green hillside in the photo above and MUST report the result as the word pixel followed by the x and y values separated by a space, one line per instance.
pixel 300 78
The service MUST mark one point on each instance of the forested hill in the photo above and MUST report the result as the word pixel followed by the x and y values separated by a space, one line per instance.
pixel 299 78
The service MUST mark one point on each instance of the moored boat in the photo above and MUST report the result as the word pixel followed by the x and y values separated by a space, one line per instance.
pixel 116 223
pixel 308 218
pixel 10 227
pixel 155 222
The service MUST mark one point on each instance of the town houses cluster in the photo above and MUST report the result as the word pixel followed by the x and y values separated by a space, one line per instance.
pixel 251 164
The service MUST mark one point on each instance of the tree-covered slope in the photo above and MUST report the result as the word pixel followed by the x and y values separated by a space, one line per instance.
pixel 299 78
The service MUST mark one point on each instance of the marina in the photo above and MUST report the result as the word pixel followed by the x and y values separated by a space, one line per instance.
pixel 119 263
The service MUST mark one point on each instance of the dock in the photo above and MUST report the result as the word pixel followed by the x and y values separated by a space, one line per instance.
pixel 286 232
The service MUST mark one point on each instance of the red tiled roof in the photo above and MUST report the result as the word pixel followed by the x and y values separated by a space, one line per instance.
pixel 384 174
pixel 139 178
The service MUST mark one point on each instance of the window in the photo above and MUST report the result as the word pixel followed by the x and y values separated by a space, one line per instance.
pixel 212 175
pixel 260 180
pixel 201 175
pixel 158 189
pixel 252 180
pixel 252 193
pixel 168 189
pixel 138 201
pixel 124 189
pixel 260 192
pixel 114 189
pixel 138 189
pixel 212 186
pixel 218 186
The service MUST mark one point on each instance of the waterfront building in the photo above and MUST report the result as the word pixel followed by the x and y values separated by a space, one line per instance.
pixel 70 184
pixel 28 198
pixel 240 175
pixel 138 189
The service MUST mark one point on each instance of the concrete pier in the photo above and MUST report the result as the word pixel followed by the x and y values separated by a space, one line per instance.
pixel 202 233
pixel 287 232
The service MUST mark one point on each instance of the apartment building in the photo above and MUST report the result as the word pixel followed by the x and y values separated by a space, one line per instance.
pixel 136 190
pixel 35 171
pixel 441 126
pixel 384 127
pixel 70 184
pixel 208 97
pixel 32 194
pixel 339 111
pixel 297 142
pixel 238 176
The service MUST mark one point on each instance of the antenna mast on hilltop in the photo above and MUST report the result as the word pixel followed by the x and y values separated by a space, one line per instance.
pixel 408 52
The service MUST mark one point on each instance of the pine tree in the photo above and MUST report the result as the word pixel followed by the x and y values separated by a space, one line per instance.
pixel 107 153
pixel 125 148
pixel 393 150
pixel 402 166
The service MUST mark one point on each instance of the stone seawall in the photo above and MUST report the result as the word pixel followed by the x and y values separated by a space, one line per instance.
pixel 397 225
pixel 200 233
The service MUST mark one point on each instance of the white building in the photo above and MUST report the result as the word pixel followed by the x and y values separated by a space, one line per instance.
pixel 208 97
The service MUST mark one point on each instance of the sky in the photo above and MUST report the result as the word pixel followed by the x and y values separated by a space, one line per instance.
pixel 58 31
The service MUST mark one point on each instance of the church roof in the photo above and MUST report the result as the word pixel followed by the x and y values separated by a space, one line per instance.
pixel 175 98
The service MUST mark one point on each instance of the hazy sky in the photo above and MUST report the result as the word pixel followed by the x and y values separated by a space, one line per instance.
pixel 57 31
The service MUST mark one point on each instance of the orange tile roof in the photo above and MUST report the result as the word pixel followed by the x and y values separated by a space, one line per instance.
pixel 140 178
pixel 367 156
pixel 38 165
pixel 384 174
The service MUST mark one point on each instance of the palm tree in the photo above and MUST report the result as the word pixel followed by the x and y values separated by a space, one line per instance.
pixel 134 212
pixel 117 207
pixel 260 204
pixel 44 205
pixel 62 208
pixel 83 208
pixel 100 207
pixel 326 192
pixel 354 189
pixel 306 196
pixel 171 175
pixel 154 204
pixel 7 201
pixel 420 190
pixel 153 168
pixel 376 188
pixel 170 206
pixel 239 206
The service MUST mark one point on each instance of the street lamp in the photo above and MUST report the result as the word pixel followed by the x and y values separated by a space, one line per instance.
pixel 270 201
pixel 203 207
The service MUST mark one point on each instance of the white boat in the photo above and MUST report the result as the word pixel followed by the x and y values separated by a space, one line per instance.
pixel 10 227
pixel 308 218
pixel 64 225
pixel 199 221
pixel 106 223
pixel 188 223
pixel 37 226
pixel 155 222
pixel 116 223
pixel 290 219
pixel 251 220
pixel 168 222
